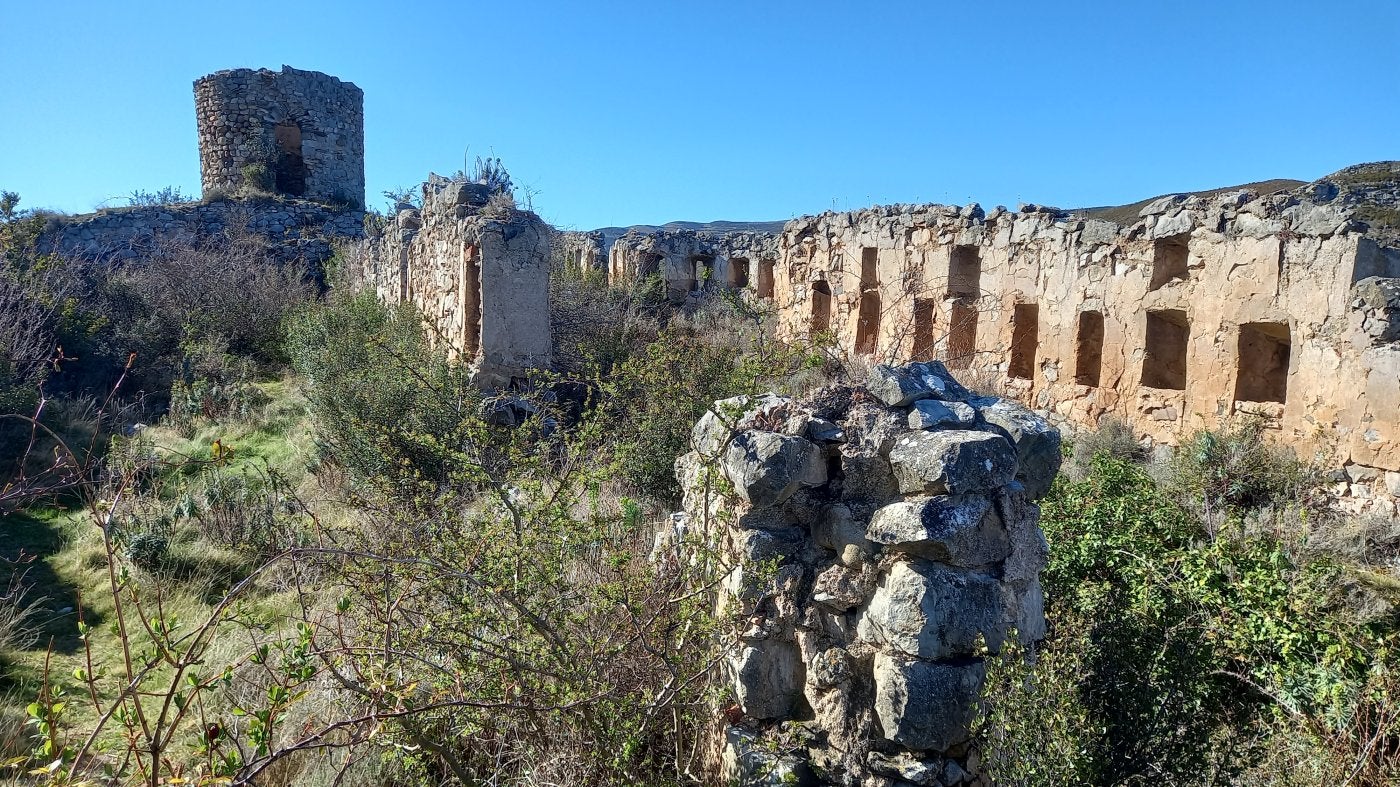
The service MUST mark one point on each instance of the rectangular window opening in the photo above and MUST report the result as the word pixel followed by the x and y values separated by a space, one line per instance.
pixel 738 273
pixel 1164 359
pixel 765 279
pixel 1025 329
pixel 821 306
pixel 1088 349
pixel 923 329
pixel 471 301
pixel 868 329
pixel 701 272
pixel 964 273
pixel 1264 350
pixel 869 269
pixel 962 335
pixel 1169 257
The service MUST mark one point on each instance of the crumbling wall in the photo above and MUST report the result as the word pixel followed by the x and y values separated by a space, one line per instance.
pixel 305 127
pixel 1160 323
pixel 582 251
pixel 479 272
pixel 295 229
pixel 881 541
pixel 688 261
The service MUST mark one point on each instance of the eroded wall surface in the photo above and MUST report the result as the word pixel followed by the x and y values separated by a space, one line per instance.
pixel 1204 310
pixel 479 274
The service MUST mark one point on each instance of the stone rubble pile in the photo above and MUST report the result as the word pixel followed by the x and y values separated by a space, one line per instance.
pixel 882 540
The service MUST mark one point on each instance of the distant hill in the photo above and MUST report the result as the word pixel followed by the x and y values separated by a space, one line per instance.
pixel 1127 214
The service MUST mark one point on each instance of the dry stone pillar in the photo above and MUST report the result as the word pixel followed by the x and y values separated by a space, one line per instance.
pixel 879 542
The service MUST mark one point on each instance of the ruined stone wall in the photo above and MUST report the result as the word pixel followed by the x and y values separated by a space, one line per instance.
pixel 881 540
pixel 479 273
pixel 1204 310
pixel 295 229
pixel 688 261
pixel 582 251
pixel 306 127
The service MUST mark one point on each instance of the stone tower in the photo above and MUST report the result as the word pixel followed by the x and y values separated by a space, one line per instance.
pixel 306 130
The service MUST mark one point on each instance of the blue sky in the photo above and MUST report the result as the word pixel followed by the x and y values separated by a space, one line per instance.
pixel 620 112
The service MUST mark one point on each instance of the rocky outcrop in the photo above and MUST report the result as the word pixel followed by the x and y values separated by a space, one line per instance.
pixel 876 555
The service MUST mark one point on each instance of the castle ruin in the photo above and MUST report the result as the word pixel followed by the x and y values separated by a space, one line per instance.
pixel 1195 312
pixel 305 131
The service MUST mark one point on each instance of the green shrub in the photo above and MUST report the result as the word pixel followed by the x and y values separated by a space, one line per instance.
pixel 1220 472
pixel 258 176
pixel 1179 649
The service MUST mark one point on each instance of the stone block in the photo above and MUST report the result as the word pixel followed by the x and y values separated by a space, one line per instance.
pixel 930 611
pixel 960 530
pixel 926 706
pixel 953 462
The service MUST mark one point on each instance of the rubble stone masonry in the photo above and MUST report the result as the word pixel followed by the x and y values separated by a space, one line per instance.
pixel 1202 310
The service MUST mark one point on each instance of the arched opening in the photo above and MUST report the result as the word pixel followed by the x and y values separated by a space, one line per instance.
pixel 289 175
pixel 821 306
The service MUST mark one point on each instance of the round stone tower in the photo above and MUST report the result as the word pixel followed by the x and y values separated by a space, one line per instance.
pixel 298 133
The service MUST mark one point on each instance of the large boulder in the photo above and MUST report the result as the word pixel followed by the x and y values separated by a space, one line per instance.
pixel 926 706
pixel 768 677
pixel 954 462
pixel 928 610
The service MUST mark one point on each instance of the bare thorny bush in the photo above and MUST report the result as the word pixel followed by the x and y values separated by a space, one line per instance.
pixel 498 624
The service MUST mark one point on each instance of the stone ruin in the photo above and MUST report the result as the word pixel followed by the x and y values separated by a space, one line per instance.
pixel 1193 313
pixel 478 272
pixel 306 128
pixel 689 262
pixel 882 541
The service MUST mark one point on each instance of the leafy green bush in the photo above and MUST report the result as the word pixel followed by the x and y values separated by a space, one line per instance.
pixel 657 394
pixel 387 404
pixel 1181 650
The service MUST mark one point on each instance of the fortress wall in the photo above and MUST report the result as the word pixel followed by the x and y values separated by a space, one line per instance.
pixel 479 275
pixel 687 260
pixel 1202 312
